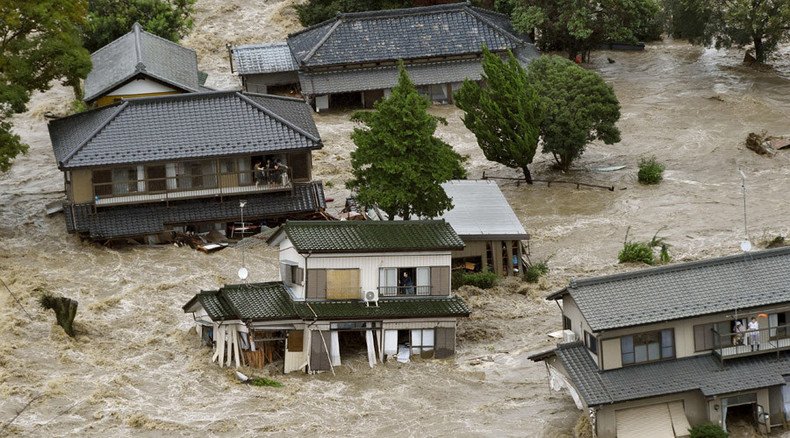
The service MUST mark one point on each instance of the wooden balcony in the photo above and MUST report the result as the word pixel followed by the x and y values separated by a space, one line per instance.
pixel 749 343
pixel 167 189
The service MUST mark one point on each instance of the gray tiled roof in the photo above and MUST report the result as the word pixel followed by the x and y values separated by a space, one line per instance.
pixel 480 211
pixel 183 126
pixel 271 301
pixel 703 373
pixel 141 52
pixel 443 30
pixel 377 78
pixel 263 58
pixel 146 219
pixel 683 290
pixel 369 236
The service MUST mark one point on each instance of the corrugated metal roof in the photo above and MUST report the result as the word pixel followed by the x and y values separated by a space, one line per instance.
pixel 683 290
pixel 369 236
pixel 183 126
pixel 263 58
pixel 140 52
pixel 480 210
pixel 421 32
pixel 703 373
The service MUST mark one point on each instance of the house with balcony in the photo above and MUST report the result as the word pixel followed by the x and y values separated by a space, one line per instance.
pixel 352 59
pixel 184 162
pixel 141 64
pixel 347 289
pixel 655 351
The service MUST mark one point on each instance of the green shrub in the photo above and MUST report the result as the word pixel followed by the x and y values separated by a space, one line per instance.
pixel 636 252
pixel 650 171
pixel 707 430
pixel 265 381
pixel 483 280
pixel 535 271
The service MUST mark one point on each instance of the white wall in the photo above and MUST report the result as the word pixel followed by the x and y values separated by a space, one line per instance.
pixel 140 86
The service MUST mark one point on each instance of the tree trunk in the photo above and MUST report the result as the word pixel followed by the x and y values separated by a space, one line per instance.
pixel 527 175
pixel 759 49
pixel 65 311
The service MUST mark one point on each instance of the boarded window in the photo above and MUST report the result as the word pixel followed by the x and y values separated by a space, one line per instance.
pixel 440 280
pixel 296 341
pixel 316 284
pixel 342 284
pixel 444 342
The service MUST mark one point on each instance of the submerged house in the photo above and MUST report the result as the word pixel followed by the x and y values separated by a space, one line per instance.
pixel 652 352
pixel 353 58
pixel 141 64
pixel 141 167
pixel 347 287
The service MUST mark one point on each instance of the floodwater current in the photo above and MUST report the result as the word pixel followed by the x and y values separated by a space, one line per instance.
pixel 136 368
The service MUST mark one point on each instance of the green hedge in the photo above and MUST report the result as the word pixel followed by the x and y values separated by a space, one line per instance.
pixel 483 280
pixel 707 430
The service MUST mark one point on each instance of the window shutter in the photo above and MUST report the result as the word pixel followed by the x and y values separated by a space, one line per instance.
pixel 316 284
pixel 440 280
pixel 296 341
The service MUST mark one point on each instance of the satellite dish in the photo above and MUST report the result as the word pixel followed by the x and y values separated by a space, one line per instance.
pixel 746 246
pixel 243 273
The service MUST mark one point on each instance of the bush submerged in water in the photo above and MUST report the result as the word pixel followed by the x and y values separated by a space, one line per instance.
pixel 483 280
pixel 650 171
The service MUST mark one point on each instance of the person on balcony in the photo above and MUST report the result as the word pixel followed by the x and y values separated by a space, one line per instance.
pixel 407 284
pixel 738 331
pixel 754 334
pixel 260 173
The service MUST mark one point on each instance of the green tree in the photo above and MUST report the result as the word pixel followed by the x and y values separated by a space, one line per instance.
pixel 740 23
pixel 580 108
pixel 579 26
pixel 110 19
pixel 40 43
pixel 504 114
pixel 399 164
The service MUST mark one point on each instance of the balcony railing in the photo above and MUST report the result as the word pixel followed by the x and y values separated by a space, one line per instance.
pixel 190 186
pixel 751 342
pixel 404 291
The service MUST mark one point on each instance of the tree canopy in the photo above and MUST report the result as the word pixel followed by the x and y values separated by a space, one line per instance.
pixel 110 19
pixel 579 108
pixel 578 26
pixel 762 24
pixel 504 114
pixel 40 43
pixel 399 164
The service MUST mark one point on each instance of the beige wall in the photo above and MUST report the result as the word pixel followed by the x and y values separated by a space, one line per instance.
pixel 81 186
pixel 578 323
pixel 610 354
pixel 472 248
pixel 694 404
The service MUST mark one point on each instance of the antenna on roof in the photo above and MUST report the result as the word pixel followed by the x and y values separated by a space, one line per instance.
pixel 746 245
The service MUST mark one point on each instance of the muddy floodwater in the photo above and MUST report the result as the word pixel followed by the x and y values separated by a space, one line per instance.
pixel 137 368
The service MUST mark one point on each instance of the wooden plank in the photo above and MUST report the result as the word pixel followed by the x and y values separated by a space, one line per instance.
pixel 342 284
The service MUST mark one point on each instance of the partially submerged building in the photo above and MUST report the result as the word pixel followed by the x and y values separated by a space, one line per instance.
pixel 141 64
pixel 379 287
pixel 655 351
pixel 353 58
pixel 140 167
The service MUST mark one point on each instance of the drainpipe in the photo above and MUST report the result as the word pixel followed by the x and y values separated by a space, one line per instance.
pixel 230 56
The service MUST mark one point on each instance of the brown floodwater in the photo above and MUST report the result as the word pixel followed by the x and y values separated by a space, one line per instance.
pixel 136 368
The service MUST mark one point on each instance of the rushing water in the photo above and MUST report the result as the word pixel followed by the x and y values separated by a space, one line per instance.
pixel 135 367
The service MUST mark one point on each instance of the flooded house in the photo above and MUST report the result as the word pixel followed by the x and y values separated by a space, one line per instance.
pixel 141 64
pixel 352 59
pixel 348 289
pixel 185 162
pixel 652 352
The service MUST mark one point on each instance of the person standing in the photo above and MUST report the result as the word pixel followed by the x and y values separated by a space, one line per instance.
pixel 754 334
pixel 259 173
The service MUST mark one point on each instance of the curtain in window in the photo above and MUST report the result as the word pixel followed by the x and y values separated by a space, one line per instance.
pixel 388 281
pixel 423 281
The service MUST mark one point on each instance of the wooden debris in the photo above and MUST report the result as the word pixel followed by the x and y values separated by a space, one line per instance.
pixel 760 144
pixel 65 311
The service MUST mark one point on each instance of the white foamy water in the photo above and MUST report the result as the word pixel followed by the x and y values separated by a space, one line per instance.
pixel 135 368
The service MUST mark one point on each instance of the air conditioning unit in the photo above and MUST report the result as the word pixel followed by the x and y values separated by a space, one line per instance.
pixel 568 336
pixel 370 296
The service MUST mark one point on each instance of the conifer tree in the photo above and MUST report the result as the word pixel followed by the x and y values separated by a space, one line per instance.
pixel 504 113
pixel 399 164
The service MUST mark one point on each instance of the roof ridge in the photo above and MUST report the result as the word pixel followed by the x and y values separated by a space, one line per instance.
pixel 172 43
pixel 178 96
pixel 320 42
pixel 471 11
pixel 279 118
pixel 684 266
pixel 96 131
pixel 112 43
pixel 259 45
pixel 400 12
pixel 138 51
